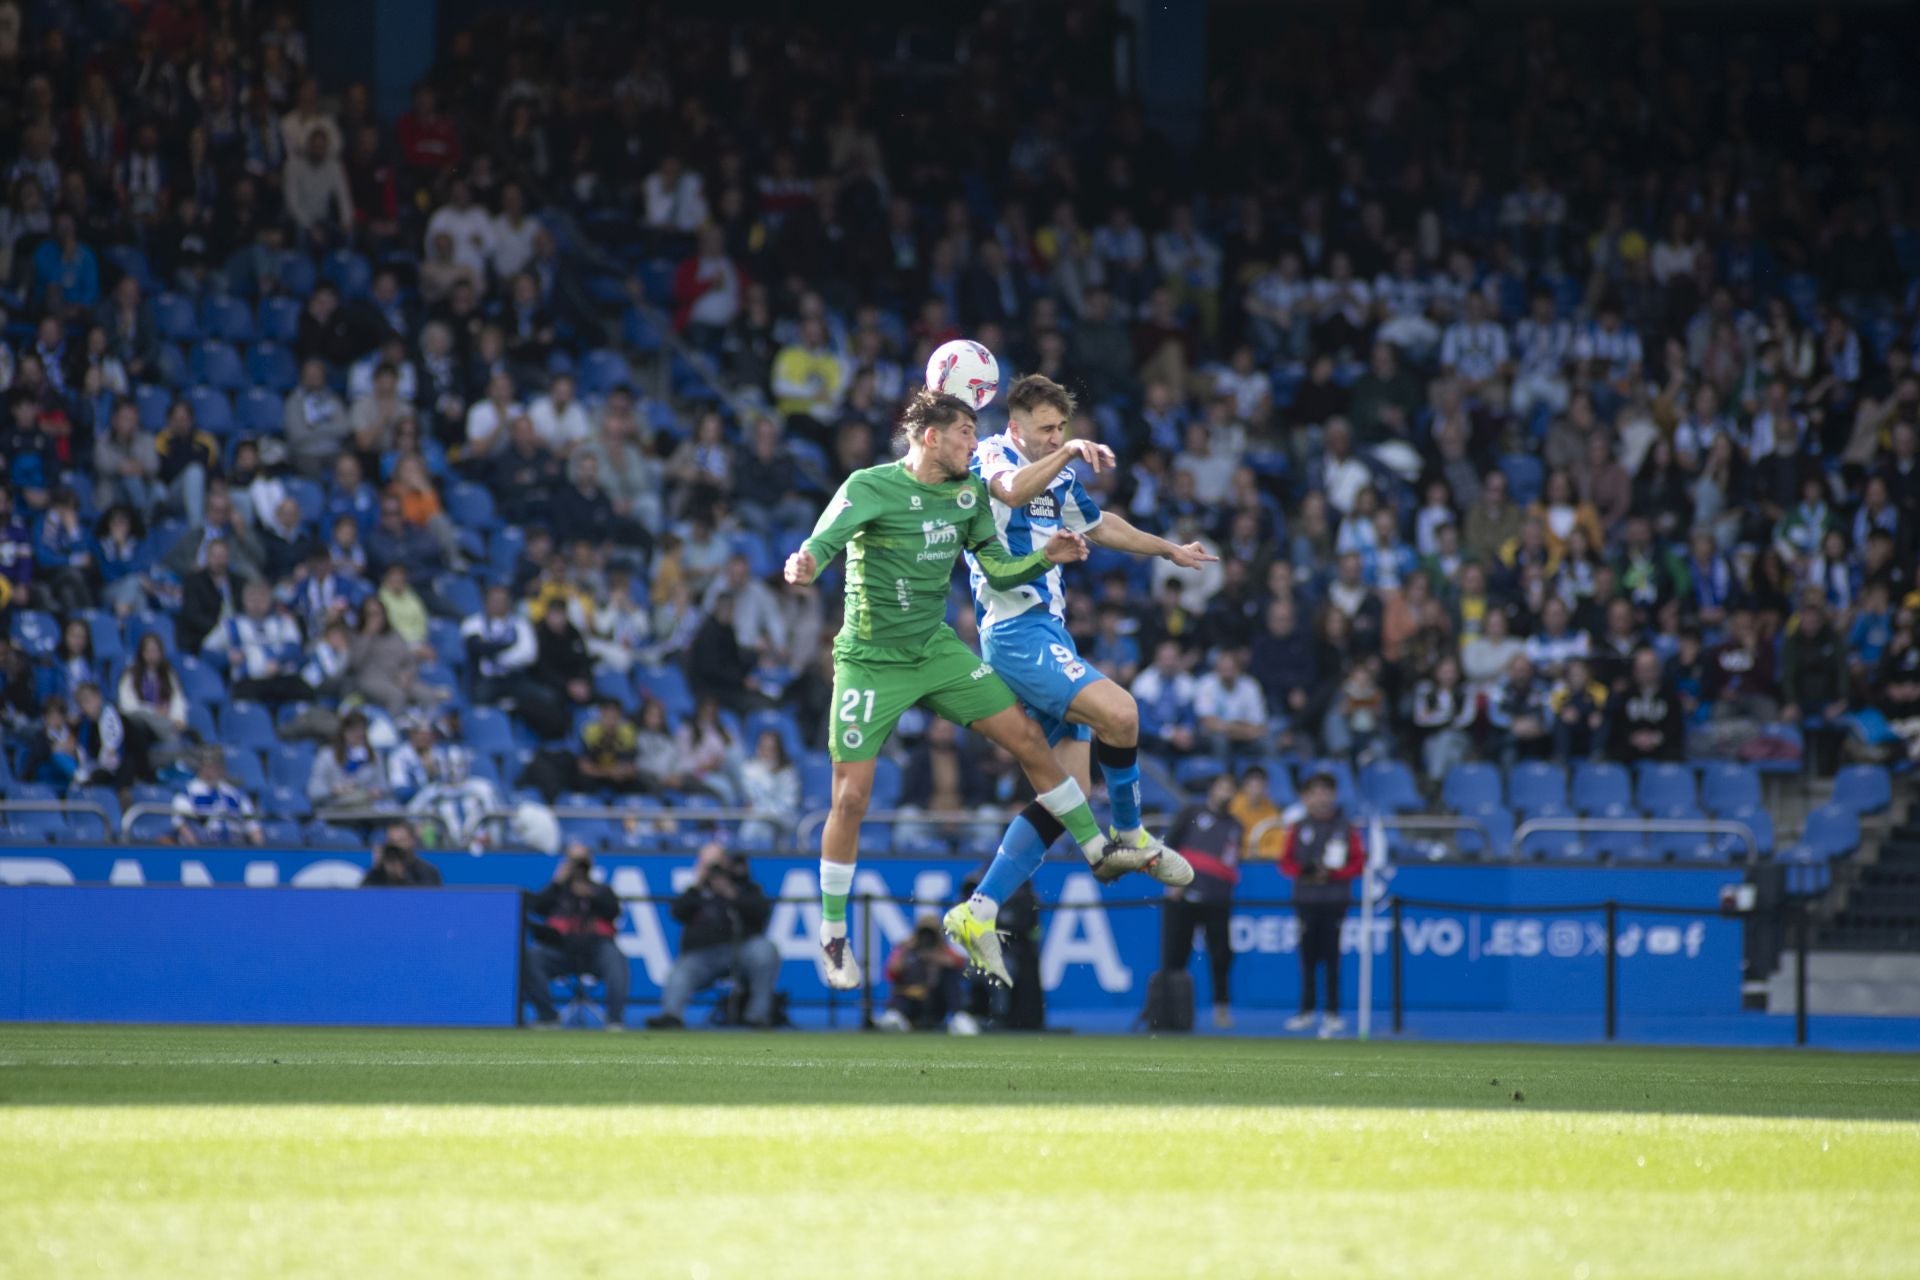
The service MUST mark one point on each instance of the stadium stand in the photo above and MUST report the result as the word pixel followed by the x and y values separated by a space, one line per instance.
pixel 1410 390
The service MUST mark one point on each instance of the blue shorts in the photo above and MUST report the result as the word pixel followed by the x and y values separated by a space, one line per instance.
pixel 1036 657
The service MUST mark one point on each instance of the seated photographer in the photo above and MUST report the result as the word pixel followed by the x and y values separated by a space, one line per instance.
pixel 723 922
pixel 399 865
pixel 923 982
pixel 578 919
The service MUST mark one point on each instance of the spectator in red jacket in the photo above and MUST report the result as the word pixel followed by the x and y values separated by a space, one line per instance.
pixel 429 141
pixel 1324 853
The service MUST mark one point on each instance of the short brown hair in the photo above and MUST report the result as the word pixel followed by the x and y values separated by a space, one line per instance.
pixel 929 408
pixel 1038 391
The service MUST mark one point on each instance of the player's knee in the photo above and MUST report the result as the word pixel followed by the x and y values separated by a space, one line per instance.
pixel 1122 727
pixel 852 795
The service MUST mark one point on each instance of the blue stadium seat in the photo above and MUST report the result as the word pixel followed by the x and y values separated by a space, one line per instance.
pixel 199 680
pixel 279 319
pixel 226 318
pixel 172 363
pixel 129 261
pixel 279 800
pixel 1526 476
pixel 1728 787
pixel 290 764
pixel 212 411
pixel 1598 788
pixel 1536 784
pixel 200 721
pixel 780 723
pixel 504 550
pixel 36 632
pixel 326 836
pixel 153 403
pixel 247 724
pixel 816 780
pixel 311 498
pixel 173 316
pixel 1556 846
pixel 1832 830
pixel 1863 788
pixel 601 371
pixel 460 592
pixel 258 412
pixel 218 364
pixel 1388 786
pixel 488 731
pixel 87 824
pixel 667 686
pixel 1196 773
pixel 1662 786
pixel 1280 781
pixel 109 646
pixel 271 365
pixel 1808 870
pixel 1762 824
pixel 1499 838
pixel 280 833
pixel 611 684
pixel 1342 779
pixel 243 767
pixel 349 272
pixel 470 506
pixel 886 783
pixel 1471 788
pixel 444 635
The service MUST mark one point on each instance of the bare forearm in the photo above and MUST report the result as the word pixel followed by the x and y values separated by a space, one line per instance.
pixel 1030 481
pixel 1117 534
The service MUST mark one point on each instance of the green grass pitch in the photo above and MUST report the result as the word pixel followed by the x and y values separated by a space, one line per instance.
pixel 209 1153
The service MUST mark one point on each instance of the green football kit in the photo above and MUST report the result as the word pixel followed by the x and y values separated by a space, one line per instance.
pixel 895 648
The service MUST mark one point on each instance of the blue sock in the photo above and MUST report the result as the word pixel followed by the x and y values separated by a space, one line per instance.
pixel 1022 850
pixel 1121 767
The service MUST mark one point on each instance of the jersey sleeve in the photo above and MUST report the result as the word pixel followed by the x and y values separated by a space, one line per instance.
pixel 852 507
pixel 990 462
pixel 1078 512
pixel 1003 572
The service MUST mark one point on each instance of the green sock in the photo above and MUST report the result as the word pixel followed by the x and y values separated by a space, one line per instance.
pixel 836 883
pixel 1069 804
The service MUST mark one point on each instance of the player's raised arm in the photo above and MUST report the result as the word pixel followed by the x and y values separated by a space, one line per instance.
pixel 1017 486
pixel 1004 572
pixel 1115 533
pixel 831 533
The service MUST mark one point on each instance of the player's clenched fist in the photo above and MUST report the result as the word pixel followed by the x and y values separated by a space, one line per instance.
pixel 801 568
pixel 1066 547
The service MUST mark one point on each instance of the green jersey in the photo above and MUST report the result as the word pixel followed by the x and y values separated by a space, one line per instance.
pixel 902 538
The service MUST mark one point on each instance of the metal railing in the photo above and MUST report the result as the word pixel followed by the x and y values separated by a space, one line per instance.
pixel 1435 823
pixel 1641 826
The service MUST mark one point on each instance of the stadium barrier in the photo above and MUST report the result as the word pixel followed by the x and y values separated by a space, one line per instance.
pixel 1642 826
pixel 61 808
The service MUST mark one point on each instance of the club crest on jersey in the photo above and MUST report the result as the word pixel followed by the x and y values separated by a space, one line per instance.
pixel 914 500
pixel 964 500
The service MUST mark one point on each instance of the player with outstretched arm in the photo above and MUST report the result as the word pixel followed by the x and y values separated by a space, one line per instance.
pixel 1023 634
pixel 903 526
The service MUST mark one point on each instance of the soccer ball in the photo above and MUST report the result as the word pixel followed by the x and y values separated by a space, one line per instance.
pixel 965 370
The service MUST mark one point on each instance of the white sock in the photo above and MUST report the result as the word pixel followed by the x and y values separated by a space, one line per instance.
pixel 985 910
pixel 836 877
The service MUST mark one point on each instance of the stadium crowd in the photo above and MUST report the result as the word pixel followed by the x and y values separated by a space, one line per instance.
pixel 1520 438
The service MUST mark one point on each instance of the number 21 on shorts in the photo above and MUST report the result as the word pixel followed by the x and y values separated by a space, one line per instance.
pixel 851 712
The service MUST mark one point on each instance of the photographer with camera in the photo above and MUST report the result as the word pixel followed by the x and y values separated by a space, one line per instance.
pixel 723 922
pixel 924 987
pixel 578 918
pixel 397 863
pixel 1325 853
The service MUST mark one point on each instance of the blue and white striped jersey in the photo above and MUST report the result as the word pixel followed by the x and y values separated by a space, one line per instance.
pixel 1063 504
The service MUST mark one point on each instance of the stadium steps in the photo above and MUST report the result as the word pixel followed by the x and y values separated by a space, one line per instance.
pixel 1880 910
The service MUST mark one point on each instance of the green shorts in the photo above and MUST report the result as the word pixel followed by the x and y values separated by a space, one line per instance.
pixel 873 687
